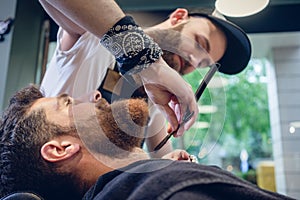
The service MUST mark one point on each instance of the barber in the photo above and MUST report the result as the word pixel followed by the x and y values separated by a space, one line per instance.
pixel 106 20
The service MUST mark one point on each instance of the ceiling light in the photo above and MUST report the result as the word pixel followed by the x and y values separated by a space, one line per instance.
pixel 240 8
pixel 295 124
pixel 216 13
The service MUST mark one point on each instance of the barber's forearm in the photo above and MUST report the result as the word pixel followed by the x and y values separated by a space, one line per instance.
pixel 62 20
pixel 96 16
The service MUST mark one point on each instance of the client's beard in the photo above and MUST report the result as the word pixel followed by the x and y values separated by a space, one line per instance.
pixel 115 129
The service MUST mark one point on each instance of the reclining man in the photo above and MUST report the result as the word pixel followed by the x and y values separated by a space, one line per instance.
pixel 80 65
pixel 62 148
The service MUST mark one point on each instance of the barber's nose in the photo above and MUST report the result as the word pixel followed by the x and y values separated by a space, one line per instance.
pixel 92 97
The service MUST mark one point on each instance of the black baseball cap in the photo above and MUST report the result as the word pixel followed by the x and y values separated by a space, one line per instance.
pixel 238 50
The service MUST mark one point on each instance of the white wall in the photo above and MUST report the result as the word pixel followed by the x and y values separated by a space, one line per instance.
pixel 286 146
pixel 283 50
pixel 22 59
pixel 7 9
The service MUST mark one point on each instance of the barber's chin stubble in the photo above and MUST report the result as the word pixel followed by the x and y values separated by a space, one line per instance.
pixel 173 46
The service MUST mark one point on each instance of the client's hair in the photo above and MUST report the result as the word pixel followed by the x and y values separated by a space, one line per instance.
pixel 22 134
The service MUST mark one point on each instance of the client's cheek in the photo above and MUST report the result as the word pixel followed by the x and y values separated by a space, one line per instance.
pixel 82 111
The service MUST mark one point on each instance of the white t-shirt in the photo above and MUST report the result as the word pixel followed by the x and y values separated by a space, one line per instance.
pixel 79 70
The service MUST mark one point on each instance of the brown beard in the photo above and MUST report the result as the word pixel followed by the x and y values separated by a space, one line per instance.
pixel 116 129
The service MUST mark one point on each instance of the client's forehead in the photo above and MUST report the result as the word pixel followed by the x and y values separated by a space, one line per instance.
pixel 44 103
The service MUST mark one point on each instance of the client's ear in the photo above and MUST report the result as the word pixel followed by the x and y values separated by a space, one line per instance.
pixel 59 149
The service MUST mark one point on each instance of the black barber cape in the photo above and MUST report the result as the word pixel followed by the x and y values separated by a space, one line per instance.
pixel 159 179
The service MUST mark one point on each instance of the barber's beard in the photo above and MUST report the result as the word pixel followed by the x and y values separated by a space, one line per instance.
pixel 169 58
pixel 179 67
pixel 170 40
pixel 115 129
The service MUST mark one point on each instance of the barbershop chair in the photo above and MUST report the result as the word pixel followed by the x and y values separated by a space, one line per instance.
pixel 22 196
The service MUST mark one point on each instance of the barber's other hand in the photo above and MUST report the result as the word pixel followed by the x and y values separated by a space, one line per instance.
pixel 166 88
pixel 177 154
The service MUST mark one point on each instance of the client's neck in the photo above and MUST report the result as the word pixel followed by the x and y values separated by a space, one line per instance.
pixel 97 165
pixel 135 155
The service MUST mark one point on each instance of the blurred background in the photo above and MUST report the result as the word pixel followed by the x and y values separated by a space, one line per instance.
pixel 248 124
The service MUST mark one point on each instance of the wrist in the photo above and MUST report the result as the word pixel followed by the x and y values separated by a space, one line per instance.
pixel 155 70
pixel 133 49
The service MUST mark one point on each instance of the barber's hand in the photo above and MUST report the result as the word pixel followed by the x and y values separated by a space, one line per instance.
pixel 181 155
pixel 177 154
pixel 166 88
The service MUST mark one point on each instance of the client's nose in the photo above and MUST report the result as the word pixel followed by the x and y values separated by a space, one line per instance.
pixel 92 97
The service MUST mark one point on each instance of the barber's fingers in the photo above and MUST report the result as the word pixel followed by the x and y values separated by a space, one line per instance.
pixel 184 155
pixel 170 116
pixel 165 84
pixel 181 155
pixel 177 154
pixel 161 97
pixel 181 115
pixel 185 105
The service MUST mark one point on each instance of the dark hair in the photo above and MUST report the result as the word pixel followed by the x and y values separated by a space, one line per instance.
pixel 22 134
